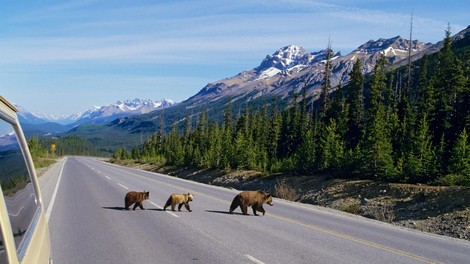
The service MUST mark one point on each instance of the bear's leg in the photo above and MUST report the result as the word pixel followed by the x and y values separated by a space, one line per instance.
pixel 141 205
pixel 187 207
pixel 254 209
pixel 235 204
pixel 127 203
pixel 168 203
pixel 135 205
pixel 261 209
pixel 179 206
pixel 244 209
pixel 173 205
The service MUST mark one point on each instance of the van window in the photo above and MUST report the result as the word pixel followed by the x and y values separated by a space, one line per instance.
pixel 18 191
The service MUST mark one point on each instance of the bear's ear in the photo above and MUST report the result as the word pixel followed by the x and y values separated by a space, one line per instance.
pixel 268 195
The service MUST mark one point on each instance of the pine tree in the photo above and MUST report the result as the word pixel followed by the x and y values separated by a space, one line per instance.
pixel 355 103
pixel 447 81
pixel 227 138
pixel 326 85
pixel 420 161
pixel 274 134
pixel 377 148
pixel 332 147
pixel 425 92
pixel 459 162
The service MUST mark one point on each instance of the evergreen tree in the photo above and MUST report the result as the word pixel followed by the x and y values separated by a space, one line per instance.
pixel 425 91
pixel 326 85
pixel 227 159
pixel 447 81
pixel 355 105
pixel 173 148
pixel 274 134
pixel 377 148
pixel 332 147
pixel 459 162
pixel 420 161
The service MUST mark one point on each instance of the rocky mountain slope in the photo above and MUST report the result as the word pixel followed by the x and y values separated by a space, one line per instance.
pixel 285 71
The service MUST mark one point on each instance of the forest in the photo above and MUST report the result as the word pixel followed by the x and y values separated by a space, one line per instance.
pixel 405 125
pixel 45 150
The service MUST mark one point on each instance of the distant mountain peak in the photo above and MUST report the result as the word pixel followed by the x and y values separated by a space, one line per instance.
pixel 283 72
pixel 389 46
pixel 284 58
pixel 97 114
pixel 123 108
pixel 288 60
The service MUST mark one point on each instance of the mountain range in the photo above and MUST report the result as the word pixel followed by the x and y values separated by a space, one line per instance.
pixel 284 73
pixel 281 75
pixel 37 123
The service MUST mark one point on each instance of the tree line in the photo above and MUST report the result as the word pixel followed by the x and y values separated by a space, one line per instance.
pixel 392 125
pixel 44 149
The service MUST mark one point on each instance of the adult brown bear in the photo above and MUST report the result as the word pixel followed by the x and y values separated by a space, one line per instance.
pixel 255 199
pixel 137 198
pixel 180 199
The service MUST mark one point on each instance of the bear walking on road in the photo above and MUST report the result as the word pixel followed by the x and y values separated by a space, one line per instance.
pixel 180 199
pixel 137 198
pixel 255 199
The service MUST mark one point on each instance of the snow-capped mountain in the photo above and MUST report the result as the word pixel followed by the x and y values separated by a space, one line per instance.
pixel 34 123
pixel 107 113
pixel 8 141
pixel 288 60
pixel 286 70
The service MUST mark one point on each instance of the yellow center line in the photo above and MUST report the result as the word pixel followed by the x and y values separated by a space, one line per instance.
pixel 355 239
pixel 309 226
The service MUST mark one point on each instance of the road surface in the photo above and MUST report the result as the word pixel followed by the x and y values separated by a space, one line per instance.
pixel 84 198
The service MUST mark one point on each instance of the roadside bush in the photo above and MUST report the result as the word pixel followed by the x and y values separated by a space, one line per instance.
pixel 453 180
pixel 285 191
pixel 352 208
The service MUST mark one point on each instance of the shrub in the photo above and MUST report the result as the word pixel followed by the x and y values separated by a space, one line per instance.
pixel 285 191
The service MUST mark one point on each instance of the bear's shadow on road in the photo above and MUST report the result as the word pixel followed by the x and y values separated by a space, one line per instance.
pixel 222 212
pixel 119 208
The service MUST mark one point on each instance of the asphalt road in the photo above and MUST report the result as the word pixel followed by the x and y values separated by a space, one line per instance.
pixel 88 224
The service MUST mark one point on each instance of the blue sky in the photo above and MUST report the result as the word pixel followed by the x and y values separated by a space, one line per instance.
pixel 62 57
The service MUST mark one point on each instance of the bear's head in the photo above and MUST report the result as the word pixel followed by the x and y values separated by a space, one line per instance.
pixel 269 199
pixel 146 195
pixel 190 197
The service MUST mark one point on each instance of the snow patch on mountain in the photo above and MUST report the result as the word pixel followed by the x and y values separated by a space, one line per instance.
pixel 289 60
pixel 97 114
pixel 101 114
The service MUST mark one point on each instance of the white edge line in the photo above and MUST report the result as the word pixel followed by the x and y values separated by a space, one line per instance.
pixel 17 213
pixel 107 177
pixel 123 186
pixel 159 207
pixel 255 260
pixel 54 194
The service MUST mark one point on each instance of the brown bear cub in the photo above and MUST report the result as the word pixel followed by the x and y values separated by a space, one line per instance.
pixel 137 198
pixel 180 199
pixel 255 199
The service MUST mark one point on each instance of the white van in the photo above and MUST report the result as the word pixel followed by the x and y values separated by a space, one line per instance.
pixel 24 232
